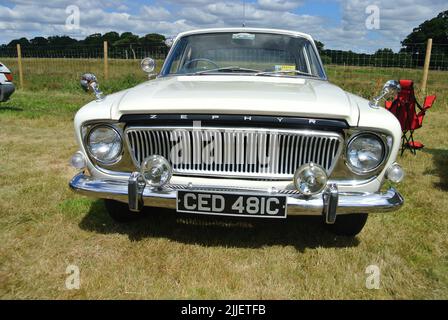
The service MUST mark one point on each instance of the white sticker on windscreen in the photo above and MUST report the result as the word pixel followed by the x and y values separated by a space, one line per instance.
pixel 243 36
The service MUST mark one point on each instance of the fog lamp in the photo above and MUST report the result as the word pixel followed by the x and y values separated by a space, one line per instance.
pixel 395 173
pixel 156 170
pixel 78 160
pixel 310 179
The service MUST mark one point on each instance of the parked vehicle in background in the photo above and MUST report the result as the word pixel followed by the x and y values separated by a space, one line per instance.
pixel 6 86
pixel 240 122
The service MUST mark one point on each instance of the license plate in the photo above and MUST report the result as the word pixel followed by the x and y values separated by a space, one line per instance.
pixel 231 204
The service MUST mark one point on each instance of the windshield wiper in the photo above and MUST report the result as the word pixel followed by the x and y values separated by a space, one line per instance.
pixel 274 73
pixel 228 69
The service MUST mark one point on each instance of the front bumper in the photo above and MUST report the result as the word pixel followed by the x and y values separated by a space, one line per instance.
pixel 6 90
pixel 329 203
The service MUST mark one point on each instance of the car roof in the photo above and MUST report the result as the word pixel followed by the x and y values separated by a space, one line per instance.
pixel 246 29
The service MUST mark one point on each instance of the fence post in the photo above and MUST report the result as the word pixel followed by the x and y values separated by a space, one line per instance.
pixel 19 61
pixel 426 66
pixel 106 63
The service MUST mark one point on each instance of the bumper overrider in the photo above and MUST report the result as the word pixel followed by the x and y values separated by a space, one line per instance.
pixel 329 203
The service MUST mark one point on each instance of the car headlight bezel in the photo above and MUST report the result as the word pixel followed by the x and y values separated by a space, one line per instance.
pixel 113 160
pixel 384 154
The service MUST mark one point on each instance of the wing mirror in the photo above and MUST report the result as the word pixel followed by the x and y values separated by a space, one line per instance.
pixel 390 90
pixel 148 65
pixel 89 82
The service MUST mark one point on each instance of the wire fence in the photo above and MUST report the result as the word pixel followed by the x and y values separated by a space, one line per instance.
pixel 61 67
pixel 411 57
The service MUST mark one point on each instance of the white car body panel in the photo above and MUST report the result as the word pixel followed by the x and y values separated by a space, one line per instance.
pixel 7 87
pixel 245 95
pixel 3 70
pixel 239 95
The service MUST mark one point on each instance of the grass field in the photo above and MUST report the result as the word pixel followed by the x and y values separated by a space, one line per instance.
pixel 44 227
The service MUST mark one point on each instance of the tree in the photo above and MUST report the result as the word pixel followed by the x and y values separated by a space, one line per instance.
pixel 384 51
pixel 435 28
pixel 61 41
pixel 22 41
pixel 94 39
pixel 39 41
pixel 111 37
pixel 320 46
pixel 126 38
pixel 153 39
pixel 415 43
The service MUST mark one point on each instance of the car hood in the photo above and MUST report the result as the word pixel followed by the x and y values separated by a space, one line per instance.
pixel 227 94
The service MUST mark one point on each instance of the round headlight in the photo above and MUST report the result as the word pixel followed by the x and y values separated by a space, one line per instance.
pixel 365 152
pixel 310 179
pixel 104 144
pixel 156 170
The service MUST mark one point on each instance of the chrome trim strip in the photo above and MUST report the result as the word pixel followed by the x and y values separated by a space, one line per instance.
pixel 297 205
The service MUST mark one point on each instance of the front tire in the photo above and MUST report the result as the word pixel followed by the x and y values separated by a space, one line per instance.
pixel 348 225
pixel 119 211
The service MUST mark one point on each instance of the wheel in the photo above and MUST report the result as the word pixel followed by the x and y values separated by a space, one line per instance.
pixel 119 211
pixel 348 224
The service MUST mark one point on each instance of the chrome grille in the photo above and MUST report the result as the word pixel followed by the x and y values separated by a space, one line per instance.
pixel 248 153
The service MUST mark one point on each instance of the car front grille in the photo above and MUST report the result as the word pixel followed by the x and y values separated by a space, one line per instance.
pixel 239 153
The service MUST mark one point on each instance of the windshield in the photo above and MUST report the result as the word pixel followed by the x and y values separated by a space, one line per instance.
pixel 263 54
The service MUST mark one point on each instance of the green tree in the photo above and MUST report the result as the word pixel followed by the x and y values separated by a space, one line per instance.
pixel 111 37
pixel 435 28
pixel 384 51
pixel 320 46
pixel 94 39
pixel 126 38
pixel 22 41
pixel 39 41
pixel 61 41
pixel 153 39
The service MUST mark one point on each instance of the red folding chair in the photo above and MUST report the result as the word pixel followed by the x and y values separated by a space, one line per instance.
pixel 404 108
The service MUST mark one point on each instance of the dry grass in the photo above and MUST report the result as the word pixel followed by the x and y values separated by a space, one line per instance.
pixel 44 227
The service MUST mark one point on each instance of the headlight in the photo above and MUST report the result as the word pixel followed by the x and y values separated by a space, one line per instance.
pixel 104 144
pixel 365 152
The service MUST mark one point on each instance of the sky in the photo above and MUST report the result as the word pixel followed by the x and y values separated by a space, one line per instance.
pixel 357 25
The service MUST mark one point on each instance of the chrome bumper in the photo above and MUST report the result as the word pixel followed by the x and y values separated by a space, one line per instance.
pixel 327 204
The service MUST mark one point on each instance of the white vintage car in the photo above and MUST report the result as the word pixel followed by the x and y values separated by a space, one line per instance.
pixel 7 88
pixel 240 122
